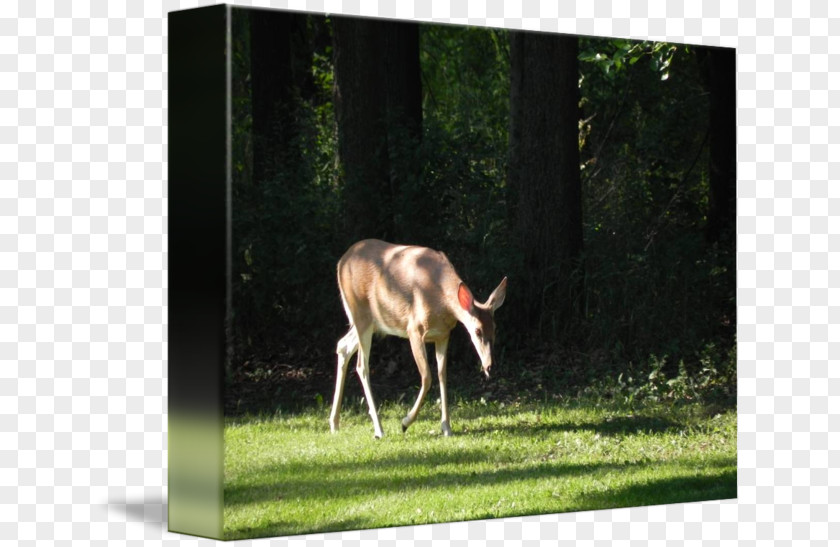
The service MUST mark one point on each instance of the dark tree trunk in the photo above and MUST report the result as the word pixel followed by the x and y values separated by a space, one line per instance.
pixel 718 69
pixel 402 67
pixel 544 175
pixel 271 87
pixel 401 58
pixel 361 107
pixel 720 64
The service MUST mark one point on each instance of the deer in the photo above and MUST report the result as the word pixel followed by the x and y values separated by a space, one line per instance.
pixel 415 293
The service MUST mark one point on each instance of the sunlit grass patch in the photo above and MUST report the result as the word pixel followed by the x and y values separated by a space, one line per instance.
pixel 287 475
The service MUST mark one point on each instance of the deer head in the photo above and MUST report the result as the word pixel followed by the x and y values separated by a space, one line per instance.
pixel 480 322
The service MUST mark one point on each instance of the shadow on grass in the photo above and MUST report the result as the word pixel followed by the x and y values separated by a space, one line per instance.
pixel 463 420
pixel 622 425
pixel 664 491
pixel 312 481
pixel 448 466
pixel 308 481
pixel 320 484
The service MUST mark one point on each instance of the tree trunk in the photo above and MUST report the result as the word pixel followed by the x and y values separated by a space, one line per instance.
pixel 722 145
pixel 271 77
pixel 361 107
pixel 402 67
pixel 401 57
pixel 544 175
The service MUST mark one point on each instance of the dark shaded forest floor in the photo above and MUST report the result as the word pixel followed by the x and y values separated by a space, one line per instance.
pixel 293 379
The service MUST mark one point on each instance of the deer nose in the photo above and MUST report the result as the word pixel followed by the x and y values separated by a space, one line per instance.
pixel 485 365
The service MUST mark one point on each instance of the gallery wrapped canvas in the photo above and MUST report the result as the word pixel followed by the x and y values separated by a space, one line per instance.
pixel 552 215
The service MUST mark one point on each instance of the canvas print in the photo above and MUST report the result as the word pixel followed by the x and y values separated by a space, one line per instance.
pixel 471 273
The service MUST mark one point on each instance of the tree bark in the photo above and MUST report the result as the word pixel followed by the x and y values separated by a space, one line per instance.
pixel 544 173
pixel 271 79
pixel 722 145
pixel 401 57
pixel 361 107
pixel 402 67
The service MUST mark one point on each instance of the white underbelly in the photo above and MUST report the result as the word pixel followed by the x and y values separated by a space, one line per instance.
pixel 390 331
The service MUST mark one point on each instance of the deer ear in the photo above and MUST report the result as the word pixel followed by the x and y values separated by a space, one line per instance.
pixel 497 297
pixel 465 297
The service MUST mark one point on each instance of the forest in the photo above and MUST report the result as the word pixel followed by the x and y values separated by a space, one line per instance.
pixel 597 174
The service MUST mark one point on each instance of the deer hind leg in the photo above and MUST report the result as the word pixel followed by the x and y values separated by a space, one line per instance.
pixel 363 370
pixel 440 354
pixel 418 348
pixel 345 349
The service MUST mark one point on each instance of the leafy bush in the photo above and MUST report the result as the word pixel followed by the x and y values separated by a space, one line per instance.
pixel 713 382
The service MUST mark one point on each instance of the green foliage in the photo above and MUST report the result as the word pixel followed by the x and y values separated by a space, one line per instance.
pixel 466 83
pixel 457 204
pixel 668 299
pixel 242 120
pixel 647 284
pixel 713 382
pixel 612 56
pixel 283 240
pixel 284 235
pixel 651 283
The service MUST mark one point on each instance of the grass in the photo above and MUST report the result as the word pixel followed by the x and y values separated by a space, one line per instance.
pixel 287 475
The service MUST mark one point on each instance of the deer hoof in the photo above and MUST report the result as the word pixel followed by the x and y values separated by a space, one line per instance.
pixel 404 424
pixel 444 427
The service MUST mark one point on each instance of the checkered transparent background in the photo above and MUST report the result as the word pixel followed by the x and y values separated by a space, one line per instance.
pixel 83 256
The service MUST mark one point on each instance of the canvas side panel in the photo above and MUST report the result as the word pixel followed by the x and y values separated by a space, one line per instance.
pixel 198 231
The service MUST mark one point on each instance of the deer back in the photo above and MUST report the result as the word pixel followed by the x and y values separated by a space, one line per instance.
pixel 398 287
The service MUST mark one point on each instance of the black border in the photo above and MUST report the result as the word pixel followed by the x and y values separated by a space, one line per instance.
pixel 198 206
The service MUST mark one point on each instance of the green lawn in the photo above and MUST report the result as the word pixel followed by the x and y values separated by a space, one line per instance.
pixel 288 475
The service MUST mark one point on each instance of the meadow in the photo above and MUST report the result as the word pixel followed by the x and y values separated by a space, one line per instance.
pixel 285 474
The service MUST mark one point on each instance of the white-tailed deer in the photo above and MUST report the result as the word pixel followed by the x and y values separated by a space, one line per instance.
pixel 410 292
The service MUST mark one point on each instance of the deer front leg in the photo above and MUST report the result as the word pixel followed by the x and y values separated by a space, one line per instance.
pixel 418 348
pixel 345 349
pixel 440 354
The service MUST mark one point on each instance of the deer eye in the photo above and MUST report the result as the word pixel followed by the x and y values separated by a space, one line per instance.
pixel 478 332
